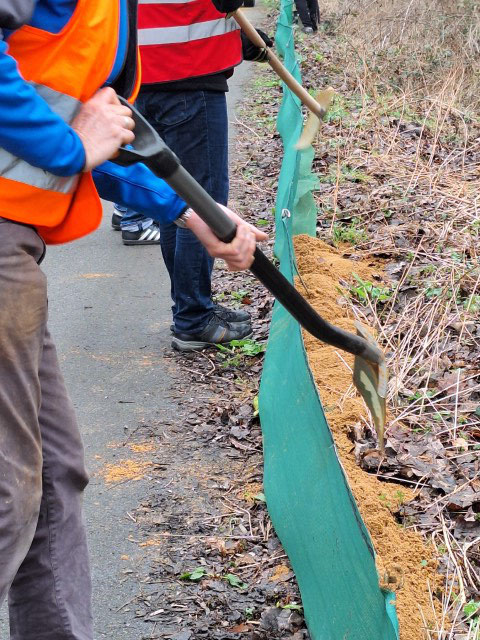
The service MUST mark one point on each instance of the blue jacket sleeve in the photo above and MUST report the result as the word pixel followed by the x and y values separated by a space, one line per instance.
pixel 30 129
pixel 138 188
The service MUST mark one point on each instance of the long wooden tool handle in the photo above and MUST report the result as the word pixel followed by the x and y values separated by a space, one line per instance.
pixel 251 33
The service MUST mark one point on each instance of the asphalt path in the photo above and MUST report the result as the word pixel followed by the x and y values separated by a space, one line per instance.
pixel 110 314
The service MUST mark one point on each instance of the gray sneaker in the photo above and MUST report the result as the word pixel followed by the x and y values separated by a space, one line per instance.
pixel 231 315
pixel 217 331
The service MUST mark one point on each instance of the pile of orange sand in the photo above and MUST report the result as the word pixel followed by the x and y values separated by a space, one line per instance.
pixel 405 563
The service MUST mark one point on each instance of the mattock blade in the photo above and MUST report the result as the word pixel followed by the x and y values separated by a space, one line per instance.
pixel 371 381
pixel 312 125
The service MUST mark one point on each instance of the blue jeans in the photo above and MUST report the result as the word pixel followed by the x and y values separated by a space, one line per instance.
pixel 132 220
pixel 194 125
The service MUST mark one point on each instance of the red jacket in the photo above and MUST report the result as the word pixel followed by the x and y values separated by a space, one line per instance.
pixel 185 39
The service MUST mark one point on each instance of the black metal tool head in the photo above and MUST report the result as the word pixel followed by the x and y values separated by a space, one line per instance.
pixel 148 147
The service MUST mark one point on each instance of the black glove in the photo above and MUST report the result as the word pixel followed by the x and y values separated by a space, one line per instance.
pixel 227 6
pixel 251 51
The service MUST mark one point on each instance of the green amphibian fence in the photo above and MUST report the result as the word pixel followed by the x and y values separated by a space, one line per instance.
pixel 310 503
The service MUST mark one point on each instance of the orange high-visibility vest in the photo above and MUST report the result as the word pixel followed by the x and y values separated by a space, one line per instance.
pixel 185 39
pixel 66 69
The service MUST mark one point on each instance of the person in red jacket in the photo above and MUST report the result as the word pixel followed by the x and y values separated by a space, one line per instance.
pixel 189 49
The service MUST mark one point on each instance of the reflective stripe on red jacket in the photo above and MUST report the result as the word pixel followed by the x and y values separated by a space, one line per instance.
pixel 184 39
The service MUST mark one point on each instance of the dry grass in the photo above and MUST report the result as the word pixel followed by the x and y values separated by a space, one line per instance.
pixel 399 168
pixel 413 45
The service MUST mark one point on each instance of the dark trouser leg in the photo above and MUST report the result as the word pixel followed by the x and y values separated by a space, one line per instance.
pixel 23 315
pixel 304 13
pixel 168 244
pixel 194 125
pixel 49 598
pixel 191 277
pixel 314 13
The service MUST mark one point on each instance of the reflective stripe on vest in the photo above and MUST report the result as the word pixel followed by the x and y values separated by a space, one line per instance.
pixel 14 168
pixel 185 39
pixel 199 31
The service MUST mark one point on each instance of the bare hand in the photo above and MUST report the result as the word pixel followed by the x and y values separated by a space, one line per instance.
pixel 238 254
pixel 103 125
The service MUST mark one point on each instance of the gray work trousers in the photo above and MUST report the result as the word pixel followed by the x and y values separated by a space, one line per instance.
pixel 44 564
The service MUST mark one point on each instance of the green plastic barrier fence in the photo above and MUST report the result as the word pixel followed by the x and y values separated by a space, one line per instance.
pixel 296 181
pixel 309 501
